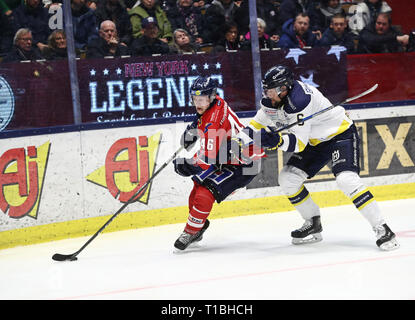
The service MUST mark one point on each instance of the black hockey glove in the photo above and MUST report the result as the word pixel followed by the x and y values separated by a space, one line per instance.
pixel 271 139
pixel 184 168
pixel 189 136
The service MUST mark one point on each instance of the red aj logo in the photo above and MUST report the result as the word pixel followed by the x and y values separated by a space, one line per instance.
pixel 128 166
pixel 22 173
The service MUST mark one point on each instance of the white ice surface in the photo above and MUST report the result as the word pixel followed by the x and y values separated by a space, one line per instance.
pixel 239 258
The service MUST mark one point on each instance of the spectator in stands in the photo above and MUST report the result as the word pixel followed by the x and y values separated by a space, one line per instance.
pixel 129 4
pixel 321 13
pixel 264 39
pixel 411 42
pixel 338 34
pixel 230 41
pixel 217 14
pixel 151 8
pixel 7 6
pixel 23 48
pixel 381 37
pixel 57 48
pixel 108 43
pixel 84 23
pixel 115 11
pixel 92 4
pixel 188 17
pixel 366 13
pixel 201 3
pixel 32 15
pixel 266 10
pixel 183 42
pixel 289 9
pixel 149 43
pixel 297 33
pixel 6 33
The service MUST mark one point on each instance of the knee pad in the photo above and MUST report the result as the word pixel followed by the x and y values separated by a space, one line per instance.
pixel 291 179
pixel 350 183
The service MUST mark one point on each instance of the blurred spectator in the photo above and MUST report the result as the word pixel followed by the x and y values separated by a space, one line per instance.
pixel 266 10
pixel 129 4
pixel 7 6
pixel 84 23
pixel 183 42
pixel 22 47
pixel 289 9
pixel 366 13
pixel 381 37
pixel 116 12
pixel 149 43
pixel 32 15
pixel 321 13
pixel 92 4
pixel 297 33
pixel 338 34
pixel 217 14
pixel 151 8
pixel 411 42
pixel 186 16
pixel 56 48
pixel 108 43
pixel 6 33
pixel 264 39
pixel 49 3
pixel 230 40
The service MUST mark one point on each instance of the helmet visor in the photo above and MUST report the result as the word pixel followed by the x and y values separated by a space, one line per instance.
pixel 275 92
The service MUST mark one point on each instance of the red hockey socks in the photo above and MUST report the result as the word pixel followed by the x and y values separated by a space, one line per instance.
pixel 200 204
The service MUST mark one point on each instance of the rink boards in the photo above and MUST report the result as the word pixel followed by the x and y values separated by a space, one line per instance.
pixel 61 185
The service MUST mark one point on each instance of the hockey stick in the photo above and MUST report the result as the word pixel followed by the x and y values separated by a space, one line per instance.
pixel 301 120
pixel 72 257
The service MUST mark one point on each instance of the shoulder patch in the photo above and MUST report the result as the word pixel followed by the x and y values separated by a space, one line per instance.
pixel 299 98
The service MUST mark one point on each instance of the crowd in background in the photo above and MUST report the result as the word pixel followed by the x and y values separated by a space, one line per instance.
pixel 34 29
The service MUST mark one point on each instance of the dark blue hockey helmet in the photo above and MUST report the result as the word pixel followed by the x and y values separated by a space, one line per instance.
pixel 278 76
pixel 204 86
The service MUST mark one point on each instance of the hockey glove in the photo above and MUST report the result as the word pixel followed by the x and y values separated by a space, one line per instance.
pixel 184 168
pixel 189 136
pixel 271 138
pixel 244 154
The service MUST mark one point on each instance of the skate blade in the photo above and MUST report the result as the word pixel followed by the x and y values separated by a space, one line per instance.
pixel 312 238
pixel 178 251
pixel 390 245
pixel 193 245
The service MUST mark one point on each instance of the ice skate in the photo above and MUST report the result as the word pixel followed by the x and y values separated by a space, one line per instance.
pixel 186 239
pixel 309 232
pixel 386 238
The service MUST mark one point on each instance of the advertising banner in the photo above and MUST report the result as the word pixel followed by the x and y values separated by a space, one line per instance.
pixel 387 148
pixel 38 94
pixel 70 176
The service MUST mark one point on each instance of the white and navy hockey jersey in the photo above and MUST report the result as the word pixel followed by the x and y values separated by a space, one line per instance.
pixel 302 100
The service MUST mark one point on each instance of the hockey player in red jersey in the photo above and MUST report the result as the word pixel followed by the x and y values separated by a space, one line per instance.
pixel 214 173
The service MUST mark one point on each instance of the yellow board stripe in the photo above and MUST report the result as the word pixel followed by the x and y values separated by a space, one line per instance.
pixel 151 218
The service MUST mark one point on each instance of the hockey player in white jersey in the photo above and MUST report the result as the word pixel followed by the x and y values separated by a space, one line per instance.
pixel 331 136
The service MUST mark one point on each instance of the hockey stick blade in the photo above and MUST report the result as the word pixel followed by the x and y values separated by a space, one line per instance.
pixel 362 94
pixel 64 257
pixel 72 257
